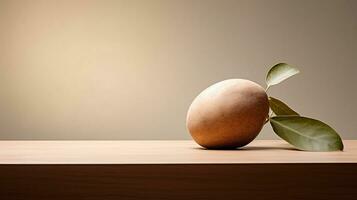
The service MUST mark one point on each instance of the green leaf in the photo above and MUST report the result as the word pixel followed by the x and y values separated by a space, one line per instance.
pixel 306 133
pixel 279 73
pixel 280 108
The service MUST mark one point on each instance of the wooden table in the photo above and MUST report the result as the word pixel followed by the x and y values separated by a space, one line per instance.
pixel 265 169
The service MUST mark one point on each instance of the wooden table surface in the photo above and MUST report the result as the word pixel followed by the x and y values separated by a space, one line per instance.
pixel 163 152
pixel 174 170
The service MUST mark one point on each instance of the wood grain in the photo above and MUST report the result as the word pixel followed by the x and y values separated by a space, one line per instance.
pixel 97 170
pixel 163 152
pixel 178 181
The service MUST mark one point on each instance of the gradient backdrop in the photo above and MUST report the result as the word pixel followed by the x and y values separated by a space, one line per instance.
pixel 130 69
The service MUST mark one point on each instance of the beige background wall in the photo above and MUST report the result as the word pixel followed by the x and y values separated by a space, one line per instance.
pixel 129 69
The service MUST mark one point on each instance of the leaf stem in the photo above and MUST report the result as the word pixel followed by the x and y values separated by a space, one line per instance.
pixel 266 89
pixel 266 120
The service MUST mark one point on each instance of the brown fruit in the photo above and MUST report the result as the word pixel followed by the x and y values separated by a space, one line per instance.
pixel 228 114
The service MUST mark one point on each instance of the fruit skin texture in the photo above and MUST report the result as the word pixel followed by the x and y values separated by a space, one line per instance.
pixel 228 114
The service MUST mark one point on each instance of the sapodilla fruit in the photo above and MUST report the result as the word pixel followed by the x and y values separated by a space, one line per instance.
pixel 228 114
